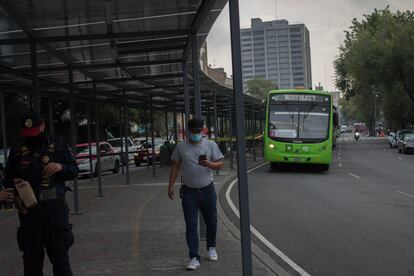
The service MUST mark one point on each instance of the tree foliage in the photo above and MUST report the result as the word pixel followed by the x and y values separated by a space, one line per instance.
pixel 375 66
pixel 260 87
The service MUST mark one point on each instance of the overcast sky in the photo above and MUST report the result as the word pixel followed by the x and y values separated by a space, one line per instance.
pixel 325 19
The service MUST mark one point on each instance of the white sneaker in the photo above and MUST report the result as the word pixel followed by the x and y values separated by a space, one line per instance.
pixel 212 254
pixel 193 264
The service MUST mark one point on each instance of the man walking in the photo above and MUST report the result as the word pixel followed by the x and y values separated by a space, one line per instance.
pixel 197 157
pixel 45 163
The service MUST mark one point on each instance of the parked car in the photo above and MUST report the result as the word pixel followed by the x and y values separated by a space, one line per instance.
pixel 132 148
pixel 2 161
pixel 109 159
pixel 400 134
pixel 407 144
pixel 141 155
pixel 139 141
pixel 343 128
pixel 391 138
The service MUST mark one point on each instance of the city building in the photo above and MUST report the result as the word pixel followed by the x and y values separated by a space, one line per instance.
pixel 277 51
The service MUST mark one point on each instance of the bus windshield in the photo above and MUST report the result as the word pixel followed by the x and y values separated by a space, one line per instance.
pixel 290 121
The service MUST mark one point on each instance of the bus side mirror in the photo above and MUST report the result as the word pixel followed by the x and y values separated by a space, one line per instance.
pixel 335 119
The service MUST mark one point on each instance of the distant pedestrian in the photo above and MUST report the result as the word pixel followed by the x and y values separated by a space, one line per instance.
pixel 197 157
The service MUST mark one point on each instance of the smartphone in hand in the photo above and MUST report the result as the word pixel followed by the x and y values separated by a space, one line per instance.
pixel 202 157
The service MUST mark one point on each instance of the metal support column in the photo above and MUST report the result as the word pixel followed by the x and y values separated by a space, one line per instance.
pixel 209 120
pixel 125 119
pixel 215 117
pixel 146 136
pixel 216 132
pixel 183 126
pixel 166 126
pixel 196 87
pixel 51 126
pixel 186 100
pixel 121 131
pixel 231 134
pixel 35 86
pixel 73 137
pixel 97 169
pixel 3 126
pixel 152 140
pixel 254 133
pixel 88 111
pixel 175 123
pixel 241 143
pixel 261 132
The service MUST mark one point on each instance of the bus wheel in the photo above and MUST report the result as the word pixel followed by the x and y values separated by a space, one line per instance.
pixel 274 166
pixel 324 167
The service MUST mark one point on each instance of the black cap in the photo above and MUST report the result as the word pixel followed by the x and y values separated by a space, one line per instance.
pixel 196 124
pixel 31 124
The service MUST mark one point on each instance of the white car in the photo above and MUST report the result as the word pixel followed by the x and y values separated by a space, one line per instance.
pixel 116 144
pixel 109 158
pixel 2 161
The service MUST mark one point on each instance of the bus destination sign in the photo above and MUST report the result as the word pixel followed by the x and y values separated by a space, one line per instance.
pixel 299 98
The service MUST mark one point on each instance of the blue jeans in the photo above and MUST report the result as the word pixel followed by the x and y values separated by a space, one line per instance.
pixel 204 200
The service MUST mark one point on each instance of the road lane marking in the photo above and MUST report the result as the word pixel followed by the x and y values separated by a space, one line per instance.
pixel 254 231
pixel 399 158
pixel 339 157
pixel 402 193
pixel 340 165
pixel 354 175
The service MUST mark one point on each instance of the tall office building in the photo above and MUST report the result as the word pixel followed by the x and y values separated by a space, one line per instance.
pixel 277 51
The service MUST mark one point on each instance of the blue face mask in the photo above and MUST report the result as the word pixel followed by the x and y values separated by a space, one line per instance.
pixel 196 137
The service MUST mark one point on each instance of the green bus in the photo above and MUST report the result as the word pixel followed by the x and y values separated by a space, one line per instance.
pixel 300 128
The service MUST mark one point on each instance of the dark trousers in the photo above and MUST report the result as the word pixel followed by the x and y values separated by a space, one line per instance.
pixel 193 201
pixel 46 227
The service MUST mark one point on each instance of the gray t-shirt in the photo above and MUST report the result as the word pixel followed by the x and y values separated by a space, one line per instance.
pixel 195 175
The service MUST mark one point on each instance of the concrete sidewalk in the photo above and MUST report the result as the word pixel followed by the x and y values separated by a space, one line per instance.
pixel 132 230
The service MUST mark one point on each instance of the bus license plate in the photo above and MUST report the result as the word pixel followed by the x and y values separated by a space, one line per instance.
pixel 296 159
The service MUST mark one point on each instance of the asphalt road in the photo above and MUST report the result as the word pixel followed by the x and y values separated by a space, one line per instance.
pixel 356 219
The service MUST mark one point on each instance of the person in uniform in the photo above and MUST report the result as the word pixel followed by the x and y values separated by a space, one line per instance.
pixel 45 163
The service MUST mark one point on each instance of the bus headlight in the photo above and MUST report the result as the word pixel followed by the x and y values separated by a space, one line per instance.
pixel 271 146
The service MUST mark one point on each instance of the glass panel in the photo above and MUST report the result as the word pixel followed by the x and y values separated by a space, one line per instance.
pixel 304 121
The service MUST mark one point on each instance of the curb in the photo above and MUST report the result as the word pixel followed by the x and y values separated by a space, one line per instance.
pixel 262 256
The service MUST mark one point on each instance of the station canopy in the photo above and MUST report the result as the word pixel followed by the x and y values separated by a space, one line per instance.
pixel 113 50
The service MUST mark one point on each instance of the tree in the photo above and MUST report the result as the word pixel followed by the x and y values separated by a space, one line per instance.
pixel 375 62
pixel 260 87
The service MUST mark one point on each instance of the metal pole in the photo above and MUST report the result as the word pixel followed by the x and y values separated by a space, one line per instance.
pixel 51 126
pixel 146 136
pixel 175 123
pixel 88 111
pixel 166 125
pixel 3 126
pixel 186 99
pixel 126 136
pixel 241 143
pixel 195 60
pixel 35 87
pixel 121 156
pixel 73 136
pixel 215 116
pixel 254 133
pixel 261 133
pixel 231 135
pixel 98 146
pixel 183 125
pixel 209 120
pixel 152 139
